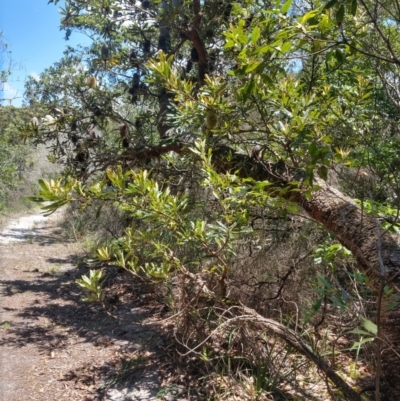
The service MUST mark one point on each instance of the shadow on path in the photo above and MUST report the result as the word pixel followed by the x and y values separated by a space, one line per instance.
pixel 57 298
pixel 42 309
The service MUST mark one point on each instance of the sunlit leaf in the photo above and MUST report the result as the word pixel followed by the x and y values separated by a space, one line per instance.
pixel 286 6
pixel 370 326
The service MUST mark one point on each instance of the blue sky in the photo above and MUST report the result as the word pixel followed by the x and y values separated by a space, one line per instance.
pixel 32 30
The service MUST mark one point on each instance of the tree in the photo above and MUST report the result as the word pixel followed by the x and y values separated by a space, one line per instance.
pixel 195 117
pixel 14 158
pixel 5 72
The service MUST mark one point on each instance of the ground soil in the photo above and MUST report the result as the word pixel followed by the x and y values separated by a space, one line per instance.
pixel 53 346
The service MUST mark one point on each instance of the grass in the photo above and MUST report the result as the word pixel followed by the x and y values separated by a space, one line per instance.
pixel 54 270
pixel 5 325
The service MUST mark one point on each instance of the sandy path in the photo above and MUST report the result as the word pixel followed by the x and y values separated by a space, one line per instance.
pixel 19 228
pixel 27 245
pixel 52 345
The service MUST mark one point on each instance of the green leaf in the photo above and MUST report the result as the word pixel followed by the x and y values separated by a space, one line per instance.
pixel 267 79
pixel 248 88
pixel 243 39
pixel 323 172
pixel 359 331
pixel 45 185
pixel 325 282
pixel 308 16
pixel 358 344
pixel 313 149
pixel 286 47
pixel 35 199
pixel 255 35
pixel 371 327
pixel 99 211
pixel 317 305
pixel 339 56
pixel 261 185
pixel 252 67
pixel 330 4
pixel 353 7
pixel 263 49
pixel 340 15
pixel 286 6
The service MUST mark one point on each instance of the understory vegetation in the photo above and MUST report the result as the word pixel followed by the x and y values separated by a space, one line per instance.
pixel 20 165
pixel 244 157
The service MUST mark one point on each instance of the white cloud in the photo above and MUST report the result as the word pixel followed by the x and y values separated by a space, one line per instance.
pixel 34 75
pixel 9 91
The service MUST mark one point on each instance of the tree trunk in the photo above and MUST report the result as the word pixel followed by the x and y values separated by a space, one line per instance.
pixel 378 256
pixel 377 252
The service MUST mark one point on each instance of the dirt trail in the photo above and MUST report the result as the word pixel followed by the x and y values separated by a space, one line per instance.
pixel 52 345
pixel 18 229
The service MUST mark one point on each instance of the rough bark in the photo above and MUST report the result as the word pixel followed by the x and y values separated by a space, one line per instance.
pixel 377 254
pixel 164 100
